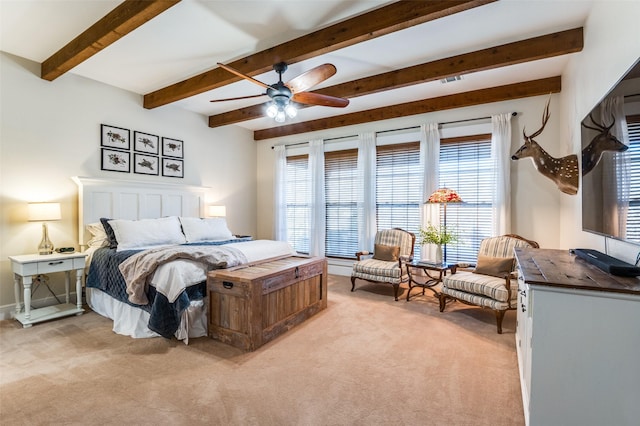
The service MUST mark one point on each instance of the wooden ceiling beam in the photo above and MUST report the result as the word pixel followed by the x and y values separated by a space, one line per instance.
pixel 459 100
pixel 385 20
pixel 546 46
pixel 125 18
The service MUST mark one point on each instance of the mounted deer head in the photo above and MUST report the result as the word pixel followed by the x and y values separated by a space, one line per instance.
pixel 563 171
pixel 603 141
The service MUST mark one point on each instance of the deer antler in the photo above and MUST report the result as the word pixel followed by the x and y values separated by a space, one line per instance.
pixel 545 118
pixel 599 127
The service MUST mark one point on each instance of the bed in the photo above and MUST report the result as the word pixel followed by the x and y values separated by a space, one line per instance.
pixel 149 252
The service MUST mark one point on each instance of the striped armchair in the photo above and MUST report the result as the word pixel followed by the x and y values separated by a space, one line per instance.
pixel 492 284
pixel 384 265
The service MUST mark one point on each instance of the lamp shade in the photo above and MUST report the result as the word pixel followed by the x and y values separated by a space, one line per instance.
pixel 444 196
pixel 217 211
pixel 44 211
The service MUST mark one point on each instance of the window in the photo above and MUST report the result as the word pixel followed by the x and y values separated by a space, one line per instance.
pixel 341 186
pixel 398 188
pixel 633 217
pixel 466 167
pixel 298 194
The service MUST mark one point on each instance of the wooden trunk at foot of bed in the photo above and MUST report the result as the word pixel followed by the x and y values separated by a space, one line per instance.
pixel 253 304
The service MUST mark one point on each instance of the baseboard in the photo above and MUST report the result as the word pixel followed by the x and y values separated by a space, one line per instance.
pixel 340 267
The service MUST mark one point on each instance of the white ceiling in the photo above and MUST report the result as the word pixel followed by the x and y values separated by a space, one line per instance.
pixel 192 36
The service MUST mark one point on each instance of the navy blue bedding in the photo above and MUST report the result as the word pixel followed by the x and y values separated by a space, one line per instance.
pixel 164 316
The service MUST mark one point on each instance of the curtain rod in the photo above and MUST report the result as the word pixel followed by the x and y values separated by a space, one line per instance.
pixel 513 114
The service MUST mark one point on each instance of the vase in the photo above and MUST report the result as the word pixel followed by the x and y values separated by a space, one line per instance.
pixel 438 253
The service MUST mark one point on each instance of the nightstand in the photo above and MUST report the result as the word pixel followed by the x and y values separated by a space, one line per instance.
pixel 26 266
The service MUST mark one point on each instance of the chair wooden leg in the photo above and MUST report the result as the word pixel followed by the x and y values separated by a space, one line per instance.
pixel 442 298
pixel 353 283
pixel 395 291
pixel 499 318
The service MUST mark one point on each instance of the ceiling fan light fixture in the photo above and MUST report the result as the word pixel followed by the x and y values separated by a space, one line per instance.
pixel 272 110
pixel 280 116
pixel 291 111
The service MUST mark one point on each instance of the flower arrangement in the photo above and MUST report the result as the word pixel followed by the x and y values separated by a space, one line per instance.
pixel 435 235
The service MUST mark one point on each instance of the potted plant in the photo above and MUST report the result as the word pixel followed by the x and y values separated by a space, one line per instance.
pixel 438 236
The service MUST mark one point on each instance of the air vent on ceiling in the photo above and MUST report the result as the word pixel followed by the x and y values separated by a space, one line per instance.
pixel 451 79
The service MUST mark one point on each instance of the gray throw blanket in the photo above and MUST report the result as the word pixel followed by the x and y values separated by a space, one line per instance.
pixel 139 267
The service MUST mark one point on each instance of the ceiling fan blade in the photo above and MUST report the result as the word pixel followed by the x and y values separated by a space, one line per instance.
pixel 311 98
pixel 246 77
pixel 238 98
pixel 310 78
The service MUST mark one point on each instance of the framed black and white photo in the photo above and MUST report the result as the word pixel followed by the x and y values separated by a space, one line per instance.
pixel 114 137
pixel 116 161
pixel 145 142
pixel 146 164
pixel 172 167
pixel 172 148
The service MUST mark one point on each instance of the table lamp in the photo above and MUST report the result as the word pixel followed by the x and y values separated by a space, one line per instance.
pixel 42 212
pixel 444 196
pixel 217 211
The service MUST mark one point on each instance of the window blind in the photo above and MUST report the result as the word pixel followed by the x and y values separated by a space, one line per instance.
pixel 341 195
pixel 398 188
pixel 466 167
pixel 633 217
pixel 298 196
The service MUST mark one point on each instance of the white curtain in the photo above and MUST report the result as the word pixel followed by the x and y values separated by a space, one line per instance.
pixel 500 157
pixel 367 189
pixel 429 161
pixel 615 169
pixel 280 196
pixel 317 219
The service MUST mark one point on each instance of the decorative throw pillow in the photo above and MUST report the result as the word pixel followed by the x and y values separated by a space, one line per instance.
pixel 210 229
pixel 386 253
pixel 99 237
pixel 113 242
pixel 494 266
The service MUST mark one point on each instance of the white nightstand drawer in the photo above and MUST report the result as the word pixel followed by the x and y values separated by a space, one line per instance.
pixel 57 265
pixel 43 267
pixel 43 264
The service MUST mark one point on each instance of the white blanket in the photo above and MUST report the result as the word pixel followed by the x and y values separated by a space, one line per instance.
pixel 172 278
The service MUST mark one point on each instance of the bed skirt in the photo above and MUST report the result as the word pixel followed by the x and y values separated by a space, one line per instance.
pixel 131 321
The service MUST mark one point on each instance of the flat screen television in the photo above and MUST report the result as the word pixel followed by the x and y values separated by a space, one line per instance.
pixel 611 178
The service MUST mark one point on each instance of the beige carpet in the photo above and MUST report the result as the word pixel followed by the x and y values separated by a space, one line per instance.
pixel 365 360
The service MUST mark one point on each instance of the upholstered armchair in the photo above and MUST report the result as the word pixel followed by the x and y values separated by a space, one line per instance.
pixel 493 283
pixel 384 265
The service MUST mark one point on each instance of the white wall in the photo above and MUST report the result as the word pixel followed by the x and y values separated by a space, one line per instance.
pixel 50 131
pixel 611 47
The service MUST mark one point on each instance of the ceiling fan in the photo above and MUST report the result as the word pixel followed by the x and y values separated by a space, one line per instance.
pixel 282 94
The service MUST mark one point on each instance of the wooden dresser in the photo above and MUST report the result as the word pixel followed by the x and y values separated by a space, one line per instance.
pixel 578 341
pixel 252 304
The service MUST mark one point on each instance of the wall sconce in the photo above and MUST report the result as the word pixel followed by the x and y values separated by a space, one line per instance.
pixel 217 211
pixel 42 212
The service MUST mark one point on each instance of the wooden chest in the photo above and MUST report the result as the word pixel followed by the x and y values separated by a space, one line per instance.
pixel 251 305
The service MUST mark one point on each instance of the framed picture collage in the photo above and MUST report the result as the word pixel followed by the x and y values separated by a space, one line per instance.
pixel 151 155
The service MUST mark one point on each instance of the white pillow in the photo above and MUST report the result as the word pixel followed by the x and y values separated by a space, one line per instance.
pixel 211 229
pixel 98 235
pixel 147 233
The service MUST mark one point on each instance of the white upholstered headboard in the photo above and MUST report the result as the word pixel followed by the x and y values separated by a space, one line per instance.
pixel 123 199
